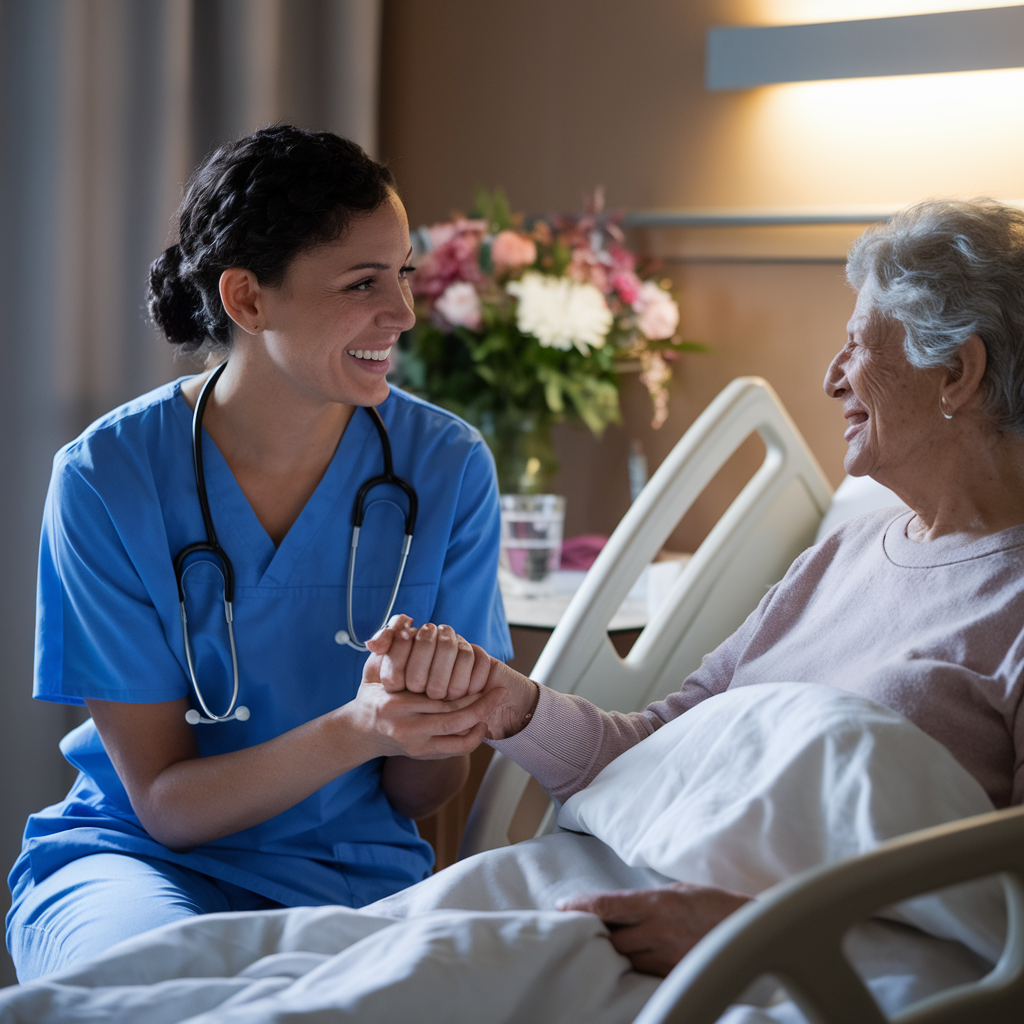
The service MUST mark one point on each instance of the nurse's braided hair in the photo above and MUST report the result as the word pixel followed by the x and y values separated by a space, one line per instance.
pixel 256 203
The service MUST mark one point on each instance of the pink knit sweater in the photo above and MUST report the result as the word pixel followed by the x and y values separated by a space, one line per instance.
pixel 933 630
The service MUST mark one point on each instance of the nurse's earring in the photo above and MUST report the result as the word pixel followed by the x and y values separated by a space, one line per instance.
pixel 942 407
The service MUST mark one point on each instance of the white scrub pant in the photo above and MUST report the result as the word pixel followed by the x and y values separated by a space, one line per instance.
pixel 92 903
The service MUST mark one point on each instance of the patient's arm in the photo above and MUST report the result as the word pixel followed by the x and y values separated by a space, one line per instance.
pixel 656 928
pixel 568 740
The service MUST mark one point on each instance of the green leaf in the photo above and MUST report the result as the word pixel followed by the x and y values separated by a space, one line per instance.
pixel 553 394
pixel 501 215
pixel 677 346
pixel 561 257
pixel 493 208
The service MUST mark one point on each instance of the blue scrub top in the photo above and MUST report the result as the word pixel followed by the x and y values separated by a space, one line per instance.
pixel 122 502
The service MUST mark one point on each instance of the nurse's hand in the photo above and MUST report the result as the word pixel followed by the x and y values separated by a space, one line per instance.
pixel 414 725
pixel 433 660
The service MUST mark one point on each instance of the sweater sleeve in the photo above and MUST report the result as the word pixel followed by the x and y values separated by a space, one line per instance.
pixel 1017 732
pixel 569 740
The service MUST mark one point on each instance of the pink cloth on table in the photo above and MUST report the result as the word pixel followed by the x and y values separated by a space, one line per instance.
pixel 933 630
pixel 581 552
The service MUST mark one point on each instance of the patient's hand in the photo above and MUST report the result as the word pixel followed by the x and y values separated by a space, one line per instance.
pixel 433 660
pixel 656 928
pixel 436 661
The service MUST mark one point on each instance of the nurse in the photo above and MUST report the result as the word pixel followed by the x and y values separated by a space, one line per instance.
pixel 291 267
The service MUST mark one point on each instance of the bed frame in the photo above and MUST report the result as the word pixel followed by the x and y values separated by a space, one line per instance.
pixel 794 931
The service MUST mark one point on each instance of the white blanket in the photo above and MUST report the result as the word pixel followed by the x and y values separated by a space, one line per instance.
pixel 757 784
pixel 481 941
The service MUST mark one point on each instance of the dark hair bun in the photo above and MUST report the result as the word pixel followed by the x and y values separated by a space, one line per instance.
pixel 256 204
pixel 175 304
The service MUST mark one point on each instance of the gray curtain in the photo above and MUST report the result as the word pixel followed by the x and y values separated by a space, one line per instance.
pixel 105 106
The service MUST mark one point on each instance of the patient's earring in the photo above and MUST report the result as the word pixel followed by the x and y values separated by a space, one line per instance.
pixel 942 406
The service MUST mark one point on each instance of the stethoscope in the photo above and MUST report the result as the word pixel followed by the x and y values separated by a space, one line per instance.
pixel 211 547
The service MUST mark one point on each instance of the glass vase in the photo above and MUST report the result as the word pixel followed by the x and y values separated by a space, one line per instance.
pixel 524 455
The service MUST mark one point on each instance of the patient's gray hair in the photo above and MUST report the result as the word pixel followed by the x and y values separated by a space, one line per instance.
pixel 947 269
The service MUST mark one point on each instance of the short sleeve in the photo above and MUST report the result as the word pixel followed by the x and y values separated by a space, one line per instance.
pixel 468 597
pixel 98 633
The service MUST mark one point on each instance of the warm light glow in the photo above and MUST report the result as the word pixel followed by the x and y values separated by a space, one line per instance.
pixel 803 12
pixel 867 141
pixel 888 139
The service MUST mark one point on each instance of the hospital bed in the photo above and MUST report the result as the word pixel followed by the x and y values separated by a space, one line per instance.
pixel 794 932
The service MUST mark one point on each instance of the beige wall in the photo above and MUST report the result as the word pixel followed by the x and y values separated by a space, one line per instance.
pixel 553 96
pixel 550 97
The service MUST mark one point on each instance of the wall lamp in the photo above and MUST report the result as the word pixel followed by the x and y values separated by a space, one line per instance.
pixel 978 40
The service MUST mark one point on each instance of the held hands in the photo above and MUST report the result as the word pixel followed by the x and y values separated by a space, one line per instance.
pixel 436 662
pixel 396 716
pixel 433 660
pixel 656 928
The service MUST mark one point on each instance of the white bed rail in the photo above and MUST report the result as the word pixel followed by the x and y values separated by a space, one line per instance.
pixel 772 520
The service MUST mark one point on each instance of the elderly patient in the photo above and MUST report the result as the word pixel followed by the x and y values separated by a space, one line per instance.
pixel 920 608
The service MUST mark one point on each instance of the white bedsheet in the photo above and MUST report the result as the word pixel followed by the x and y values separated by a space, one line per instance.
pixel 405 958
pixel 409 957
pixel 481 942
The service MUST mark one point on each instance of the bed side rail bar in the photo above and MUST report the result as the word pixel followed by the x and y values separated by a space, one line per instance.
pixel 580 658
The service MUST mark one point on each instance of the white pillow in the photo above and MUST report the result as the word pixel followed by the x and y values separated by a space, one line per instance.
pixel 759 783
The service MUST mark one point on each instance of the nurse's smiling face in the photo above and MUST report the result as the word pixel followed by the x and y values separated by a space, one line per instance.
pixel 330 326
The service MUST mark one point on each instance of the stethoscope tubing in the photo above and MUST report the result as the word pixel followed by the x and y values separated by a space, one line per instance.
pixel 358 511
pixel 212 547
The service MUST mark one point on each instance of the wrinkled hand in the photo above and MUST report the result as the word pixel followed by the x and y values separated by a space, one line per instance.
pixel 656 928
pixel 433 660
pixel 518 704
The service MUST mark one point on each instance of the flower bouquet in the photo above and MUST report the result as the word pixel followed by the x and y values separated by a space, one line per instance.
pixel 521 325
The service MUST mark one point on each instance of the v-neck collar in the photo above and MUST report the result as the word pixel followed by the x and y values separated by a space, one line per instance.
pixel 256 560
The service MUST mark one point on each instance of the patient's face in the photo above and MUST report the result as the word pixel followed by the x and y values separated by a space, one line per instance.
pixel 891 407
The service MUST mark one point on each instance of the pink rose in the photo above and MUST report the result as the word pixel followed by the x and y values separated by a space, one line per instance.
pixel 658 313
pixel 441 234
pixel 511 249
pixel 460 306
pixel 456 258
pixel 627 284
pixel 622 259
pixel 587 268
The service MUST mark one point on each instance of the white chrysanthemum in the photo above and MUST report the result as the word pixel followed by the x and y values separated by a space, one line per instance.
pixel 561 313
